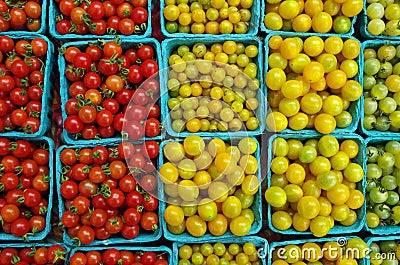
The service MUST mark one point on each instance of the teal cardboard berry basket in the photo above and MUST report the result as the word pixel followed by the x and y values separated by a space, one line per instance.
pixel 48 86
pixel 143 237
pixel 338 229
pixel 355 106
pixel 256 206
pixel 65 84
pixel 171 45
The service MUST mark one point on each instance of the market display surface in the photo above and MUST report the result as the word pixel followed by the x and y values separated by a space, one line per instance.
pixel 200 132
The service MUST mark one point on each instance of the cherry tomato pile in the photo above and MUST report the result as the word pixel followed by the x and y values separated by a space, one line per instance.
pixel 329 252
pixel 383 179
pixel 382 88
pixel 102 17
pixel 110 85
pixel 219 253
pixel 20 16
pixel 311 83
pixel 209 186
pixel 314 184
pixel 211 95
pixel 113 256
pixel 384 252
pixel 109 191
pixel 54 254
pixel 312 15
pixel 25 185
pixel 209 17
pixel 383 18
pixel 21 83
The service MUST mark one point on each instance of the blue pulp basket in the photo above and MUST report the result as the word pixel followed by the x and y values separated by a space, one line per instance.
pixel 45 121
pixel 256 207
pixel 253 27
pixel 162 249
pixel 141 238
pixel 64 84
pixel 170 45
pixel 364 20
pixel 54 11
pixel 340 240
pixel 42 29
pixel 361 213
pixel 355 106
pixel 264 28
pixel 35 245
pixel 260 243
pixel 41 235
pixel 375 44
pixel 370 240
pixel 387 229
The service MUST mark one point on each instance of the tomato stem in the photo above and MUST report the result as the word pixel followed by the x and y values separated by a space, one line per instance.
pixel 43 210
pixel 104 190
pixel 72 29
pixel 76 242
pixel 99 43
pixel 15 259
pixel 59 17
pixel 73 209
pixel 111 31
pixel 28 214
pixel 60 224
pixel 124 136
pixel 114 221
pixel 19 186
pixel 32 252
pixel 65 170
pixel 93 68
pixel 25 81
pixel 27 129
pixel 135 170
pixel 86 169
pixel 141 28
pixel 117 40
pixel 140 208
pixel 20 199
pixel 107 93
pixel 6 15
pixel 25 238
pixel 61 50
pixel 59 255
pixel 18 170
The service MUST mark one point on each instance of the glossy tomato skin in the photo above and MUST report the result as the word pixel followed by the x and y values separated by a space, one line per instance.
pixel 24 255
pixel 73 124
pixel 101 194
pixel 21 88
pixel 148 258
pixel 100 78
pixel 149 221
pixel 86 234
pixel 96 10
pixel 151 149
pixel 111 256
pixel 130 232
pixel 152 127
